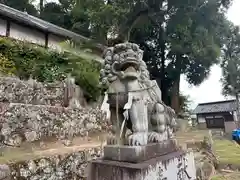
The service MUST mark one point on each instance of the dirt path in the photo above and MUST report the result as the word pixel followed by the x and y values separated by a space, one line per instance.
pixel 49 147
pixel 69 149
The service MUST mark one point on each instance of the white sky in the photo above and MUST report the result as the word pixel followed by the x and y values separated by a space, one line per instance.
pixel 210 89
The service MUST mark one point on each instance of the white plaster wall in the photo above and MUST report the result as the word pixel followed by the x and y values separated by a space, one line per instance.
pixel 3 27
pixel 26 34
pixel 235 115
pixel 169 170
pixel 54 42
pixel 201 119
pixel 230 126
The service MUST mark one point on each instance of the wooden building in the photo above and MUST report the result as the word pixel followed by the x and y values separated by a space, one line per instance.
pixel 217 115
pixel 19 25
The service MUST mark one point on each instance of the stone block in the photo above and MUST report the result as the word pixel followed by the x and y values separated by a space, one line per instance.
pixel 178 165
pixel 135 154
pixel 4 172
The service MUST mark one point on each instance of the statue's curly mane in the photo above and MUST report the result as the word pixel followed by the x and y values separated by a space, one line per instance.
pixel 118 54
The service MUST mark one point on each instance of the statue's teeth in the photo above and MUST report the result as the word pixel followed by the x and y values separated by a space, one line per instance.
pixel 130 69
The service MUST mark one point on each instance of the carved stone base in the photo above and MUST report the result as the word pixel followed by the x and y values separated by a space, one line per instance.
pixel 136 154
pixel 177 165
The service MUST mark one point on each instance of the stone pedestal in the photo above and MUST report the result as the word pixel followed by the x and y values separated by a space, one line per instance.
pixel 178 165
pixel 157 161
pixel 136 154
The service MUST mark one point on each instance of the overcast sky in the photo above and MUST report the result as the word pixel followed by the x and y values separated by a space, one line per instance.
pixel 210 89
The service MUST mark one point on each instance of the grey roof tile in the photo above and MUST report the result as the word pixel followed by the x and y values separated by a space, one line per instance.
pixel 40 24
pixel 220 106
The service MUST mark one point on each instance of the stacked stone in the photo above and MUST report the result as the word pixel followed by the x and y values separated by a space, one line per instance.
pixel 31 92
pixel 67 166
pixel 30 110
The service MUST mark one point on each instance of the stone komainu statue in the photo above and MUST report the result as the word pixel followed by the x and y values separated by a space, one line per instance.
pixel 134 100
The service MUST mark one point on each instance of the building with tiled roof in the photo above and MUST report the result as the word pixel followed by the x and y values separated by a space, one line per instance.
pixel 217 115
pixel 21 26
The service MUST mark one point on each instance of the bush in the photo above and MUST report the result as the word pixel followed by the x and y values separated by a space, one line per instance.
pixel 6 66
pixel 26 60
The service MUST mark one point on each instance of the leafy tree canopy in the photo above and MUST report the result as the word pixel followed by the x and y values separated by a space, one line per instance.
pixel 178 37
pixel 22 5
pixel 231 62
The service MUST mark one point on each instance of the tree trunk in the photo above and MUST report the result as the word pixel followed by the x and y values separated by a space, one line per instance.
pixel 176 83
pixel 41 5
pixel 163 85
pixel 175 94
pixel 238 110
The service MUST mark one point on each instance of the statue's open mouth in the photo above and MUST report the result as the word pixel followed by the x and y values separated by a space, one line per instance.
pixel 130 67
pixel 130 63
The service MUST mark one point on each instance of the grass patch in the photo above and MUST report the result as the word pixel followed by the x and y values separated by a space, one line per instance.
pixel 229 176
pixel 196 135
pixel 218 177
pixel 228 152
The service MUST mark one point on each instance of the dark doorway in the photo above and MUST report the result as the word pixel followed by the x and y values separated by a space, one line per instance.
pixel 215 123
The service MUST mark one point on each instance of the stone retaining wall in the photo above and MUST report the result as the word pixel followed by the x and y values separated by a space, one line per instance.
pixel 59 167
pixel 15 90
pixel 26 122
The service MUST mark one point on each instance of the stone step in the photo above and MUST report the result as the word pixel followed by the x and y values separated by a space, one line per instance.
pixel 27 122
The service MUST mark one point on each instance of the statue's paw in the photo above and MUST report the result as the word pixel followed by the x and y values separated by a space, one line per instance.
pixel 137 139
pixel 154 137
pixel 111 140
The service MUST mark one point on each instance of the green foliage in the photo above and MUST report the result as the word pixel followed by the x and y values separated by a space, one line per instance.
pixel 184 102
pixel 6 66
pixel 231 62
pixel 188 42
pixel 86 73
pixel 53 12
pixel 45 65
pixel 22 5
